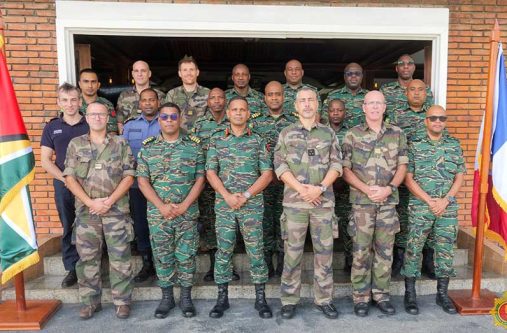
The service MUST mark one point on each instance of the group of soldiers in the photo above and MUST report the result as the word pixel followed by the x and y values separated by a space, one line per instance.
pixel 193 167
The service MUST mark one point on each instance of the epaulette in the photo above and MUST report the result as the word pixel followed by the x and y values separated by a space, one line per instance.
pixel 148 140
pixel 194 138
pixel 129 119
pixel 256 115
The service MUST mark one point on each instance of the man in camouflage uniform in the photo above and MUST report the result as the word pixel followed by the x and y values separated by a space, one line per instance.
pixel 351 94
pixel 241 79
pixel 238 168
pixel 294 82
pixel 170 171
pixel 308 161
pixel 394 92
pixel 99 169
pixel 190 96
pixel 128 102
pixel 135 131
pixel 337 114
pixel 214 120
pixel 375 162
pixel 410 118
pixel 269 126
pixel 90 85
pixel 435 175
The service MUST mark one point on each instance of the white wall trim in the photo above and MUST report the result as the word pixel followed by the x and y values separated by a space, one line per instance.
pixel 256 21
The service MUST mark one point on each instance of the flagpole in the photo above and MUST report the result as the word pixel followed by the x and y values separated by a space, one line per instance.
pixel 482 301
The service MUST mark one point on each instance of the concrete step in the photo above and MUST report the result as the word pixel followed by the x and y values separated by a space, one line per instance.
pixel 53 264
pixel 48 287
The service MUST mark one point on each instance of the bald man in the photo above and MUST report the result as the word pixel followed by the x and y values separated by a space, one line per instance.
pixel 241 79
pixel 128 101
pixel 294 82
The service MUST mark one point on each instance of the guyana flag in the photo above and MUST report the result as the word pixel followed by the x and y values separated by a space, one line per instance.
pixel 18 245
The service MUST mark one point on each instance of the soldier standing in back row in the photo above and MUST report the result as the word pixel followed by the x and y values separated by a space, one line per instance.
pixel 190 96
pixel 269 126
pixel 294 82
pixel 435 175
pixel 241 79
pixel 99 170
pixel 239 169
pixel 170 172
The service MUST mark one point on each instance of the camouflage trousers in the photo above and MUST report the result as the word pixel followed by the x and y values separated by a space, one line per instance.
pixel 342 211
pixel 323 229
pixel 249 219
pixel 91 232
pixel 372 228
pixel 174 244
pixel 402 209
pixel 273 197
pixel 207 217
pixel 443 230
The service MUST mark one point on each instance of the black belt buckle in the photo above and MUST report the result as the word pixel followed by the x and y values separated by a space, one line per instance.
pixel 311 152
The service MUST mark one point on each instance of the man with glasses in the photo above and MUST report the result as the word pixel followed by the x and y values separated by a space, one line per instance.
pixel 307 160
pixel 351 94
pixel 375 162
pixel 394 92
pixel 135 131
pixel 170 172
pixel 435 175
pixel 99 170
pixel 54 141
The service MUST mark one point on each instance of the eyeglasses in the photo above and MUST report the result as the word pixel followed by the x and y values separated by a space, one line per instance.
pixel 403 63
pixel 435 118
pixel 378 103
pixel 166 117
pixel 95 115
pixel 350 74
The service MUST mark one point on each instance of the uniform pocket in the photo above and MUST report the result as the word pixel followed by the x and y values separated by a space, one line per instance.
pixel 82 166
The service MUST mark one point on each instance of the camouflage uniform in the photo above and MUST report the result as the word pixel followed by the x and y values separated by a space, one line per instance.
pixel 99 171
pixel 192 104
pixel 434 165
pixel 238 162
pixel 204 128
pixel 412 124
pixel 172 168
pixel 289 97
pixel 254 98
pixel 128 104
pixel 112 126
pixel 308 155
pixel 374 159
pixel 353 105
pixel 341 197
pixel 395 96
pixel 269 128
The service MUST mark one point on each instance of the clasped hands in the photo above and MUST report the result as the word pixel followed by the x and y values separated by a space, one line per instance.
pixel 311 194
pixel 100 206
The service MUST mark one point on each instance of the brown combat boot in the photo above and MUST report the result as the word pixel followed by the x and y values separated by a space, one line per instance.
pixel 122 311
pixel 87 311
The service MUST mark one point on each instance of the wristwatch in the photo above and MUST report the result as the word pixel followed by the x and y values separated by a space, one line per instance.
pixel 393 187
pixel 451 199
pixel 323 188
pixel 247 195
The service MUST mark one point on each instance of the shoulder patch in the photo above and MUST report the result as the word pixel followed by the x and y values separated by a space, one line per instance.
pixel 256 115
pixel 148 140
pixel 194 138
pixel 129 119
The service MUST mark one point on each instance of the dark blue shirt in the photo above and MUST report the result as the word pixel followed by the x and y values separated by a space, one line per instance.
pixel 137 130
pixel 57 135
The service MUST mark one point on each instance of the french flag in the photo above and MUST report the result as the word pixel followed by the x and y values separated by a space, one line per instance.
pixel 496 199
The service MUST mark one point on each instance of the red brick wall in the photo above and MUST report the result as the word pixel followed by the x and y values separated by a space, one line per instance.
pixel 31 55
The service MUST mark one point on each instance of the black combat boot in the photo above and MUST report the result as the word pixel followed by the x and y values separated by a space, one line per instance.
pixel 260 302
pixel 166 303
pixel 442 298
pixel 147 270
pixel 268 258
pixel 186 305
pixel 410 296
pixel 428 263
pixel 398 253
pixel 210 275
pixel 222 302
pixel 279 263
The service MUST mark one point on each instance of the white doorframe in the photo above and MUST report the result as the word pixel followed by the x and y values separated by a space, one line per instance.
pixel 252 21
